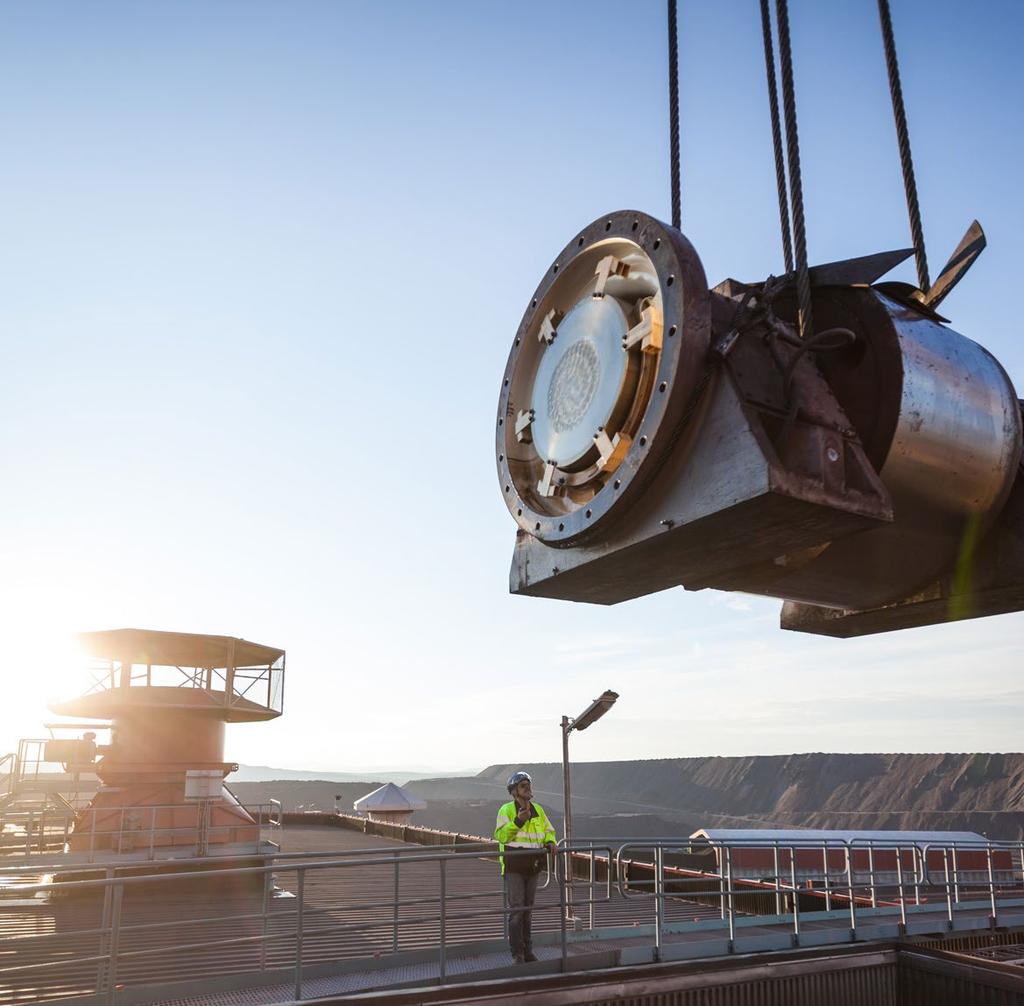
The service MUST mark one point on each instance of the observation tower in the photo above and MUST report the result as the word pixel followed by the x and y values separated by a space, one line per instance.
pixel 169 696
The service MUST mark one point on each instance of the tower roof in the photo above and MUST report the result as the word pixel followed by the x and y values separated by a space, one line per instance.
pixel 176 649
pixel 389 798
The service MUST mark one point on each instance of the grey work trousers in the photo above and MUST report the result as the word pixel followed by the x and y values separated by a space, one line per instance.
pixel 520 890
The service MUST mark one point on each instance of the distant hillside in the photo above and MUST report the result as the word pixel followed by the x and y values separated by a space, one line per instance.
pixel 979 792
pixel 264 773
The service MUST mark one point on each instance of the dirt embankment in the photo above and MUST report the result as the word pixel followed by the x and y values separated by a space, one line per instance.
pixel 976 792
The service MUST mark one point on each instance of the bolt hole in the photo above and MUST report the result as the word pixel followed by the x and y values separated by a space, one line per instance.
pixel 517 340
pixel 657 243
pixel 533 303
pixel 608 225
pixel 662 386
pixel 561 527
pixel 636 223
pixel 500 421
pixel 643 441
pixel 501 457
pixel 536 526
pixel 670 281
pixel 672 331
pixel 519 512
pixel 506 488
pixel 616 483
pixel 554 268
pixel 588 515
pixel 579 244
pixel 506 382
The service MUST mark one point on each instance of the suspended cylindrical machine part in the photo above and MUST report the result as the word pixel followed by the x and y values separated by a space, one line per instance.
pixel 940 420
pixel 651 433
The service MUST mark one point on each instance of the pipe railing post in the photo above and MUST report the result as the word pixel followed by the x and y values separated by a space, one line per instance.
pixel 732 905
pixel 849 888
pixel 593 881
pixel 104 938
pixel 659 906
pixel 949 889
pixel 871 873
pixel 563 911
pixel 394 918
pixel 778 879
pixel 956 878
pixel 796 898
pixel 721 878
pixel 828 887
pixel 115 941
pixel 442 949
pixel 265 910
pixel 993 918
pixel 899 887
pixel 299 919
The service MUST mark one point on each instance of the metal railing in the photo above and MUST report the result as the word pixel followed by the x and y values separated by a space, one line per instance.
pixel 132 829
pixel 413 898
pixel 8 768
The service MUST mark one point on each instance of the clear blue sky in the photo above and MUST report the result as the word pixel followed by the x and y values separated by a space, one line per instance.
pixel 261 264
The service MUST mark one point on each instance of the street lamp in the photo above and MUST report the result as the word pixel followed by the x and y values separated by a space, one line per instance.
pixel 590 715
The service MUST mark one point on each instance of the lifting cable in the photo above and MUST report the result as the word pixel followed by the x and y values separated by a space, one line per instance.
pixel 780 163
pixel 906 161
pixel 673 114
pixel 796 197
pixel 793 208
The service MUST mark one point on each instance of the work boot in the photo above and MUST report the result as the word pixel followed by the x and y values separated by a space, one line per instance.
pixel 518 957
pixel 529 956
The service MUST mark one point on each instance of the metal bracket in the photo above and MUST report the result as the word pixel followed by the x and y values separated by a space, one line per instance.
pixel 647 332
pixel 549 325
pixel 607 267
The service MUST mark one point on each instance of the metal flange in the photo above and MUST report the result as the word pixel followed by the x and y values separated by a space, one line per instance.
pixel 604 363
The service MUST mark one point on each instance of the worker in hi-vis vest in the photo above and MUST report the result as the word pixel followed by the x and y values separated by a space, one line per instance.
pixel 522 824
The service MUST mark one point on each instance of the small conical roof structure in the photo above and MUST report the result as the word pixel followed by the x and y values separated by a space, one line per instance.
pixel 389 799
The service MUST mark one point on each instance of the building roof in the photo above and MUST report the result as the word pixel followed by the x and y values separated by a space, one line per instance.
pixel 176 649
pixel 389 798
pixel 818 835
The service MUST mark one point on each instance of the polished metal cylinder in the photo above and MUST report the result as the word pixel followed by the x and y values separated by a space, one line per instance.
pixel 948 447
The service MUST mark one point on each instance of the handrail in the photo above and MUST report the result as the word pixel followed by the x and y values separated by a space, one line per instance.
pixel 453 907
pixel 13 759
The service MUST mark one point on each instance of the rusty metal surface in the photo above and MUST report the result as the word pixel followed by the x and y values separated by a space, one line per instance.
pixel 989 580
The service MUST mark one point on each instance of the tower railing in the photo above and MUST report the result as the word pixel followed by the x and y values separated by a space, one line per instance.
pixel 261 684
pixel 135 830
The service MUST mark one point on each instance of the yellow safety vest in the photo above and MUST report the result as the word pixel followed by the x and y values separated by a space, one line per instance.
pixel 535 834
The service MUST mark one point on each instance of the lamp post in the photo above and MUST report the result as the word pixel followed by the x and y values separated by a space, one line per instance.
pixel 590 715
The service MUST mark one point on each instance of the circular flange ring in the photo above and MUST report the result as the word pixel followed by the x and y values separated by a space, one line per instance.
pixel 605 361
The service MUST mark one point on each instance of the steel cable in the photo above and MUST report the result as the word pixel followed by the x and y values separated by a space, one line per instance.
pixel 673 103
pixel 780 163
pixel 903 136
pixel 796 199
pixel 805 320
